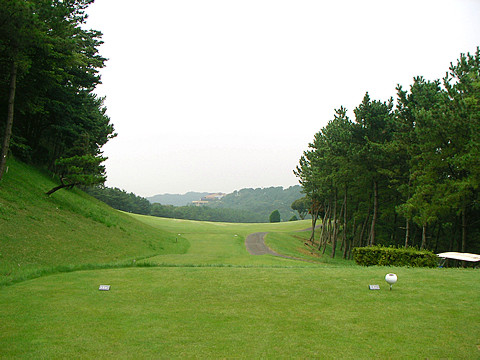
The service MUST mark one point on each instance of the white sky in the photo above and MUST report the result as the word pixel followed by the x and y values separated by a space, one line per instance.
pixel 221 95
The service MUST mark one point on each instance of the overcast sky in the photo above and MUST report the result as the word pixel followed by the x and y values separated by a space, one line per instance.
pixel 221 95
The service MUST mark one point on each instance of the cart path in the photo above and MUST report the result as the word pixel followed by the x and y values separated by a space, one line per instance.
pixel 255 244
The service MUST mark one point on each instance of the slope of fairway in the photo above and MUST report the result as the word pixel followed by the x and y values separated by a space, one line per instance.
pixel 41 234
pixel 211 299
pixel 222 243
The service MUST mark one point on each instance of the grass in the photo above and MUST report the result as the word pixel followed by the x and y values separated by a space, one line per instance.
pixel 219 243
pixel 215 312
pixel 41 234
pixel 297 245
pixel 211 299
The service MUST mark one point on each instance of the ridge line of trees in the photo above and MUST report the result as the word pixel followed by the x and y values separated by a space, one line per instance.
pixel 49 68
pixel 129 202
pixel 404 175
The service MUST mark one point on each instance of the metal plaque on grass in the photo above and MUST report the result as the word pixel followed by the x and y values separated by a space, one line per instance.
pixel 374 287
pixel 104 287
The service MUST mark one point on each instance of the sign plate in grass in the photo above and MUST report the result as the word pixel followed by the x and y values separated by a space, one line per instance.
pixel 374 287
pixel 104 287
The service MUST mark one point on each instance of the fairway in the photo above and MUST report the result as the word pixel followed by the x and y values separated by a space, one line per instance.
pixel 221 244
pixel 218 301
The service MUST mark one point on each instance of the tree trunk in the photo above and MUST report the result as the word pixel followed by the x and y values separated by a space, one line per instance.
pixel 352 238
pixel 464 233
pixel 323 235
pixel 345 203
pixel 335 227
pixel 314 224
pixel 393 238
pixel 375 213
pixel 364 226
pixel 437 237
pixel 340 214
pixel 453 236
pixel 62 186
pixel 414 237
pixel 9 123
pixel 407 220
pixel 464 230
pixel 424 237
pixel 407 233
pixel 314 211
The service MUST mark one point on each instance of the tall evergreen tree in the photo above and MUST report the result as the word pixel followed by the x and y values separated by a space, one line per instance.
pixel 57 64
pixel 373 131
pixel 419 161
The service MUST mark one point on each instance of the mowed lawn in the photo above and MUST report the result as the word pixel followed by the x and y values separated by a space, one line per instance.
pixel 217 301
pixel 219 243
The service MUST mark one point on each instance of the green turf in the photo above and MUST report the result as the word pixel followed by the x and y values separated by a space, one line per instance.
pixel 217 312
pixel 41 234
pixel 219 243
pixel 210 299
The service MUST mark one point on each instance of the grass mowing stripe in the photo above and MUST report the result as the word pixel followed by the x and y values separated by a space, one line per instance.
pixel 232 312
pixel 204 296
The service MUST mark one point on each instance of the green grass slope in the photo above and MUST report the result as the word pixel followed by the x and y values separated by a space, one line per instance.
pixel 211 300
pixel 41 234
pixel 223 244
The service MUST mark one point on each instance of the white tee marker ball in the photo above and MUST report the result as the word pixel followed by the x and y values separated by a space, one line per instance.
pixel 391 279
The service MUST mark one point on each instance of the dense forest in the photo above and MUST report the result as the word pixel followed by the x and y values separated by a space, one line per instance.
pixel 177 199
pixel 262 201
pixel 404 175
pixel 204 213
pixel 246 205
pixel 120 199
pixel 49 68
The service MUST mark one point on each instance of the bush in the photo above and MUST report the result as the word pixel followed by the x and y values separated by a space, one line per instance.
pixel 390 256
pixel 275 216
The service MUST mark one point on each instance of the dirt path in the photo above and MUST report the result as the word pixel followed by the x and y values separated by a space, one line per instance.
pixel 255 244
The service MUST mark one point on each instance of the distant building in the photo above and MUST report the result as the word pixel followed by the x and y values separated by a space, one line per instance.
pixel 211 197
pixel 207 198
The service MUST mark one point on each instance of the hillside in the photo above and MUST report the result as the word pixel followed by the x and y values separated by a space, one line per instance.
pixel 69 228
pixel 262 201
pixel 213 302
pixel 259 203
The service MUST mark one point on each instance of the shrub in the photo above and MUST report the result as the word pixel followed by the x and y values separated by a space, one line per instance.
pixel 390 256
pixel 275 216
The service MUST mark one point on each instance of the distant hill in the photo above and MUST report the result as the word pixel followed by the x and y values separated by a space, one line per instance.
pixel 262 201
pixel 177 199
pixel 258 202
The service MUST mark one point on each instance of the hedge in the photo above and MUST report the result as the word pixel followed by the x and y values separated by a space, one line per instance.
pixel 390 256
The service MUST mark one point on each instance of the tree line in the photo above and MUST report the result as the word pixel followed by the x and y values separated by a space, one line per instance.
pixel 203 213
pixel 403 175
pixel 120 199
pixel 49 68
pixel 129 202
pixel 262 201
